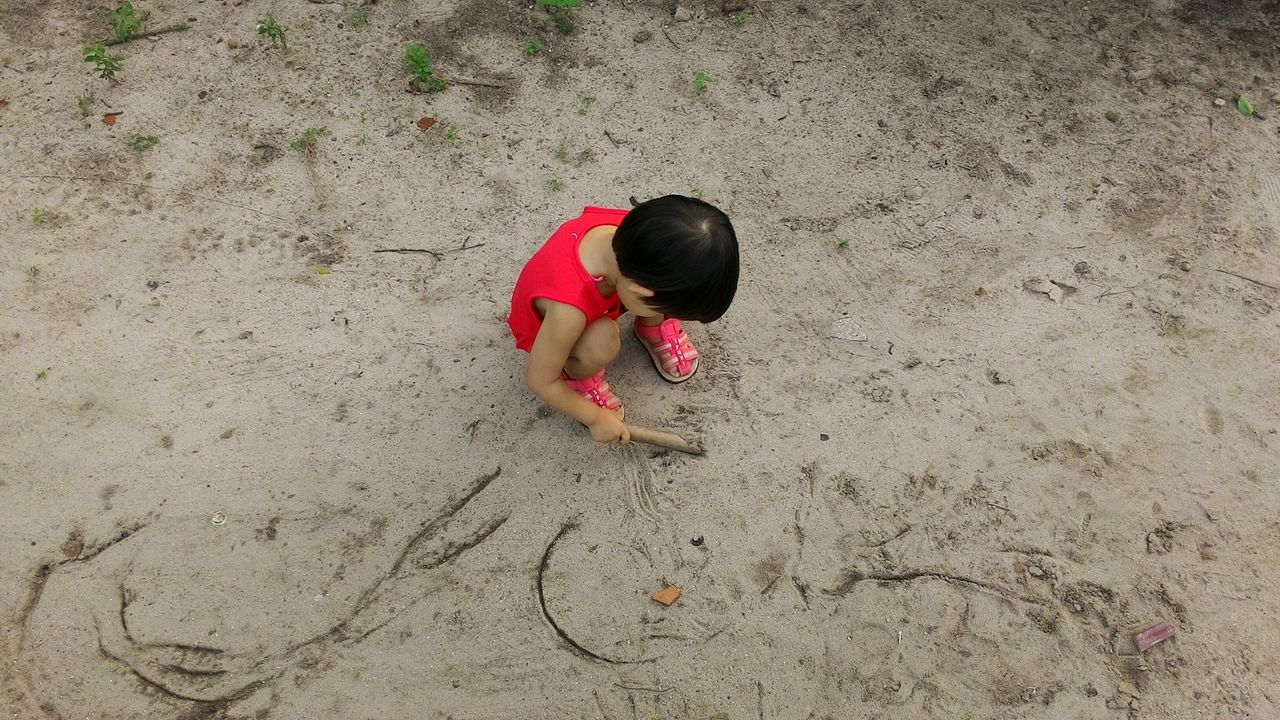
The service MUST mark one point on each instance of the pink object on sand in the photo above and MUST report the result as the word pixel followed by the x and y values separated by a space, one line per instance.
pixel 1154 635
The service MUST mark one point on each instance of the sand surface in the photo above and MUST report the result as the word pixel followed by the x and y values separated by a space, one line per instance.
pixel 1001 386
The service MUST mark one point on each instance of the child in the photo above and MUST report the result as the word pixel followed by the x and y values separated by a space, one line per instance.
pixel 668 259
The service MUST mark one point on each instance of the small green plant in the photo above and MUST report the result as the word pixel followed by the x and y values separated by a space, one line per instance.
pixel 143 143
pixel 562 151
pixel 33 272
pixel 739 20
pixel 559 10
pixel 843 244
pixel 696 193
pixel 39 216
pixel 451 135
pixel 106 65
pixel 306 142
pixel 418 62
pixel 125 21
pixel 531 48
pixel 514 142
pixel 1244 106
pixel 85 102
pixel 42 374
pixel 585 104
pixel 701 81
pixel 909 132
pixel 274 31
pixel 555 183
pixel 358 19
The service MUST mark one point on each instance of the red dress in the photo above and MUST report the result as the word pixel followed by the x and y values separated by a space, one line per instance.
pixel 555 272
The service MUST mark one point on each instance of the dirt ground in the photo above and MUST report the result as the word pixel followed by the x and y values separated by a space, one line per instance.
pixel 1001 386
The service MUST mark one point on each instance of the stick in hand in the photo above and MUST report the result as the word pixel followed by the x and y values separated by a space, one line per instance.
pixel 649 436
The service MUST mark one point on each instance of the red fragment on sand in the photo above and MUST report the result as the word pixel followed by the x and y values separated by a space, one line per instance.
pixel 1154 635
pixel 111 117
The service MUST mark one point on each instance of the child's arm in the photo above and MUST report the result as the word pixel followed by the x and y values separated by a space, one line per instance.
pixel 562 325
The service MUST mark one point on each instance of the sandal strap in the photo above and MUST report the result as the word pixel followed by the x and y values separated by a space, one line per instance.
pixel 594 389
pixel 675 350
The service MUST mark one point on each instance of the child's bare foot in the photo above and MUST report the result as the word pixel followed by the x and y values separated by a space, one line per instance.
pixel 598 391
pixel 674 356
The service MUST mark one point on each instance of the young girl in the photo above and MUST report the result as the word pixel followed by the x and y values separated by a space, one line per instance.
pixel 668 259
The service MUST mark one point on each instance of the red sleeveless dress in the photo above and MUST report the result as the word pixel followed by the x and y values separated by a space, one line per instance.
pixel 555 272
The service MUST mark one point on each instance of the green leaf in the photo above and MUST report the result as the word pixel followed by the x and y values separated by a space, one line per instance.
pixel 1244 106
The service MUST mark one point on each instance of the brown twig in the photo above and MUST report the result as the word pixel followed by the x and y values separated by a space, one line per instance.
pixel 176 27
pixel 764 15
pixel 612 139
pixel 476 83
pixel 1242 277
pixel 424 251
pixel 668 36
pixel 658 438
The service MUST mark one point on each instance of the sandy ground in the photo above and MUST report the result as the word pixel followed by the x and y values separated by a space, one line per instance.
pixel 1002 385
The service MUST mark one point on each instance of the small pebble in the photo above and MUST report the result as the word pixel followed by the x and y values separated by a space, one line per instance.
pixel 642 36
pixel 1219 102
pixel 202 94
pixel 1035 571
pixel 915 193
pixel 682 14
pixel 1090 690
pixel 153 284
pixel 824 437
pixel 1112 117
pixel 882 123
pixel 1140 75
pixel 1081 268
pixel 393 132
pixel 1184 266
pixel 696 541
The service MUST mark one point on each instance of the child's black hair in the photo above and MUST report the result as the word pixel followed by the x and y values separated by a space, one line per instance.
pixel 685 251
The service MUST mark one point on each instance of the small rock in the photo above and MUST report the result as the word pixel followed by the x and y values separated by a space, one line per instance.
pixel 246 335
pixel 202 94
pixel 1141 74
pixel 914 194
pixel 1090 690
pixel 48 148
pixel 824 437
pixel 733 6
pixel 233 44
pixel 1035 571
pixel 72 547
pixel 1184 265
pixel 642 37
pixel 1219 102
pixel 393 132
pixel 979 213
pixel 847 329
pixel 456 683
pixel 153 284
pixel 882 123
pixel 999 378
pixel 696 541
pixel 1275 98
pixel 1081 268
pixel 1112 117
pixel 682 14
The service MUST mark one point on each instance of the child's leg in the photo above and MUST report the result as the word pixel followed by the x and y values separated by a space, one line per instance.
pixel 597 347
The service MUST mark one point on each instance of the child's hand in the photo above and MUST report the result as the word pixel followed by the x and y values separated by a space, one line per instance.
pixel 609 428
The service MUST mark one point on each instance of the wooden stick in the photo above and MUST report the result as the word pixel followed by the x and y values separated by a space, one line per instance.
pixel 176 27
pixel 658 438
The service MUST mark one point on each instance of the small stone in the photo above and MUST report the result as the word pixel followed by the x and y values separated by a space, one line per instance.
pixel 153 284
pixel 202 94
pixel 999 378
pixel 1219 102
pixel 1035 571
pixel 455 683
pixel 979 213
pixel 1081 268
pixel 882 123
pixel 246 335
pixel 1184 265
pixel 1141 74
pixel 824 437
pixel 914 194
pixel 682 14
pixel 1112 117
pixel 393 132
pixel 1090 690
pixel 696 541
pixel 642 37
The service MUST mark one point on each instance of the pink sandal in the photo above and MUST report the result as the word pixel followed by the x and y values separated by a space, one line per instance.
pixel 596 390
pixel 673 354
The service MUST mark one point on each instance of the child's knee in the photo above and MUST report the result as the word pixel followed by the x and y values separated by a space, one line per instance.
pixel 600 343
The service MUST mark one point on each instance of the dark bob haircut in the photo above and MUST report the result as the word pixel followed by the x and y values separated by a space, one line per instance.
pixel 685 251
